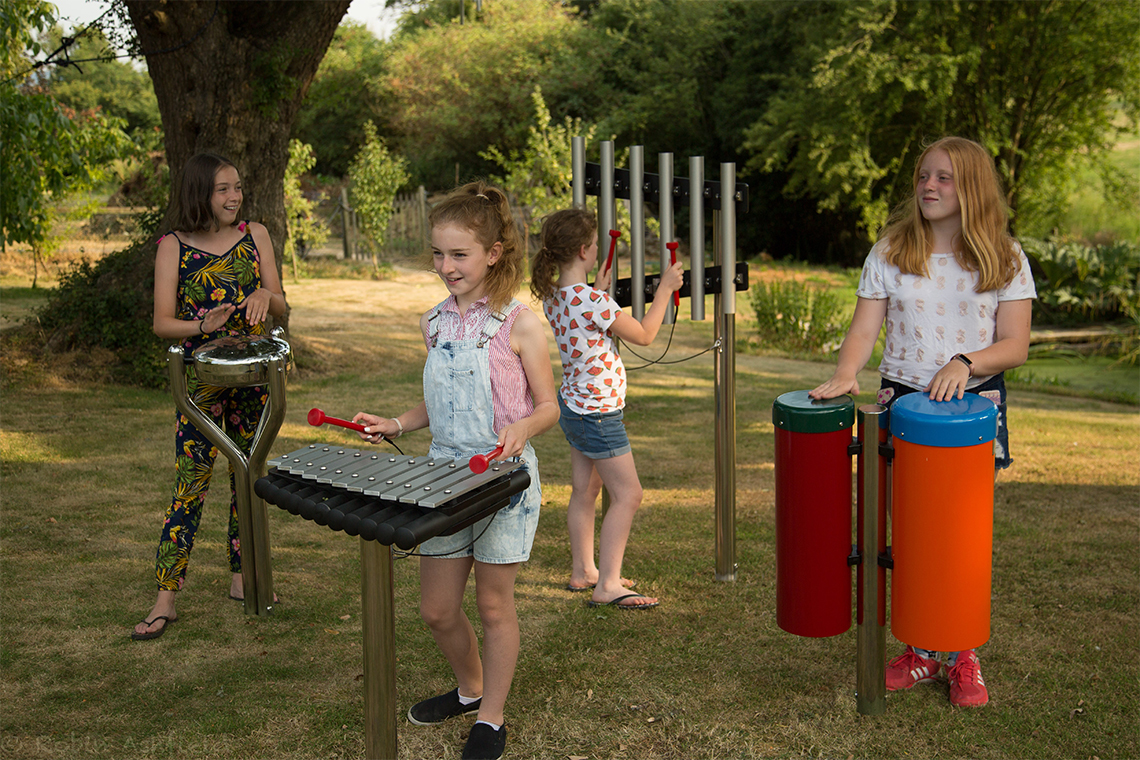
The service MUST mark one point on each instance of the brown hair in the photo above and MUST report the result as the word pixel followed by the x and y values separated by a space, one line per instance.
pixel 563 235
pixel 485 211
pixel 194 211
pixel 985 245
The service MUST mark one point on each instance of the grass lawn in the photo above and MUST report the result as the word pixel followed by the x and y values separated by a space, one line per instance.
pixel 708 674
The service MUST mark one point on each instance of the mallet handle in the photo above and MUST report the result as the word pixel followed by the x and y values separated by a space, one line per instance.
pixel 614 235
pixel 673 260
pixel 318 418
pixel 479 462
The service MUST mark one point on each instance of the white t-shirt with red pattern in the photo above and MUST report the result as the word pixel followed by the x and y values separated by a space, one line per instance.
pixel 593 376
pixel 930 319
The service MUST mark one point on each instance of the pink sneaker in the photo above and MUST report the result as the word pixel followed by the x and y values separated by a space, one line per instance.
pixel 967 689
pixel 909 668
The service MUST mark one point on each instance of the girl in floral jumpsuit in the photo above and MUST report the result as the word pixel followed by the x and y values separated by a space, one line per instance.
pixel 214 276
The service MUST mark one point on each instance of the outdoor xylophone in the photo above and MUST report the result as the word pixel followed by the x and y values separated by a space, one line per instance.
pixel 393 499
pixel 386 499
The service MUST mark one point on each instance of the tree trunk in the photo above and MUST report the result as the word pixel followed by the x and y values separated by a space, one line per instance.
pixel 229 78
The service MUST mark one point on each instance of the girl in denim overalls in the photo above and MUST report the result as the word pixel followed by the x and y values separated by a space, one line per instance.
pixel 213 276
pixel 955 292
pixel 487 383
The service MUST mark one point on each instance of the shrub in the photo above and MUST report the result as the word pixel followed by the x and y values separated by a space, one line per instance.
pixel 794 316
pixel 1079 284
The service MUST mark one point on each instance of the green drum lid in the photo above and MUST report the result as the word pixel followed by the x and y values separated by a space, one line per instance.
pixel 799 413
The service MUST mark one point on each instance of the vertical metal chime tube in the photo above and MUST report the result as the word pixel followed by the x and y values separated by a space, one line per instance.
pixel 637 230
pixel 378 622
pixel 870 664
pixel 696 238
pixel 665 215
pixel 725 381
pixel 578 171
pixel 607 216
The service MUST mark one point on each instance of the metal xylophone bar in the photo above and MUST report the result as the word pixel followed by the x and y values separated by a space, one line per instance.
pixel 390 499
pixel 385 500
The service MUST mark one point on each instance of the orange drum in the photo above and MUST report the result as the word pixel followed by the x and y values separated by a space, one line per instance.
pixel 942 521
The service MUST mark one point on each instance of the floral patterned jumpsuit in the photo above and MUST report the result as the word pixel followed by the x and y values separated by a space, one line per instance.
pixel 204 282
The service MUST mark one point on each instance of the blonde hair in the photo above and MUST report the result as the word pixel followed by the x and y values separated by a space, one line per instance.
pixel 563 235
pixel 485 211
pixel 985 245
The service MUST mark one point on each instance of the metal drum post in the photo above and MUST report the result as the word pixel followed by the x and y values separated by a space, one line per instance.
pixel 379 631
pixel 725 379
pixel 870 667
pixel 237 362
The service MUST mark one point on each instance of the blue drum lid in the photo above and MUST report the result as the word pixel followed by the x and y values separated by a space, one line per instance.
pixel 799 413
pixel 967 421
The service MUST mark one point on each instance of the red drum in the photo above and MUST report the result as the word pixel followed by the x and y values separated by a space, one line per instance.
pixel 813 513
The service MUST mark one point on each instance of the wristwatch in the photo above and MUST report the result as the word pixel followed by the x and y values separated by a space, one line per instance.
pixel 965 360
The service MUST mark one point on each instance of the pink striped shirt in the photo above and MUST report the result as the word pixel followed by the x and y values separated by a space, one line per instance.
pixel 510 392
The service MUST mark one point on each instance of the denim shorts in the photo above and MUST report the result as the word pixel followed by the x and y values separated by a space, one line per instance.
pixel 503 538
pixel 598 436
pixel 993 389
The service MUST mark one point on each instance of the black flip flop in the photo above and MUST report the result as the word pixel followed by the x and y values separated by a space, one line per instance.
pixel 617 603
pixel 153 634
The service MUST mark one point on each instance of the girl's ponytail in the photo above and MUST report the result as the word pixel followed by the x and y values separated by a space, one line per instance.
pixel 543 274
pixel 563 235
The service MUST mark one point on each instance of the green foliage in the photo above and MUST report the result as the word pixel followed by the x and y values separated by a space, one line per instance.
pixel 348 89
pixel 1081 283
pixel 1036 83
pixel 458 89
pixel 53 151
pixel 797 317
pixel 303 226
pixel 270 83
pixel 684 77
pixel 376 174
pixel 91 308
pixel 539 176
pixel 116 88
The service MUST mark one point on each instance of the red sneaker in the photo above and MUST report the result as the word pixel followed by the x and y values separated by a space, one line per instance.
pixel 910 668
pixel 967 689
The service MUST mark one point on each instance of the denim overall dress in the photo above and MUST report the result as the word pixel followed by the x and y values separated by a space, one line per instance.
pixel 460 408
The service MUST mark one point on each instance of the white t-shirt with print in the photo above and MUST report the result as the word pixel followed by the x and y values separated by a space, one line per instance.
pixel 930 319
pixel 593 376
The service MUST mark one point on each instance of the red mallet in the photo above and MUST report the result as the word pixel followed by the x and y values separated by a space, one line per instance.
pixel 614 235
pixel 318 418
pixel 673 260
pixel 479 462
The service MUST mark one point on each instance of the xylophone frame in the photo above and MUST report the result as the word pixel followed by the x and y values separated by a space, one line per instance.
pixel 378 619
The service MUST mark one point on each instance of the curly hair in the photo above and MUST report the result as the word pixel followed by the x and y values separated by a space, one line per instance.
pixel 486 212
pixel 563 235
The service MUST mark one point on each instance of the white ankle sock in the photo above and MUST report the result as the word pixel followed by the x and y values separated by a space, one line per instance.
pixel 489 723
pixel 467 700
